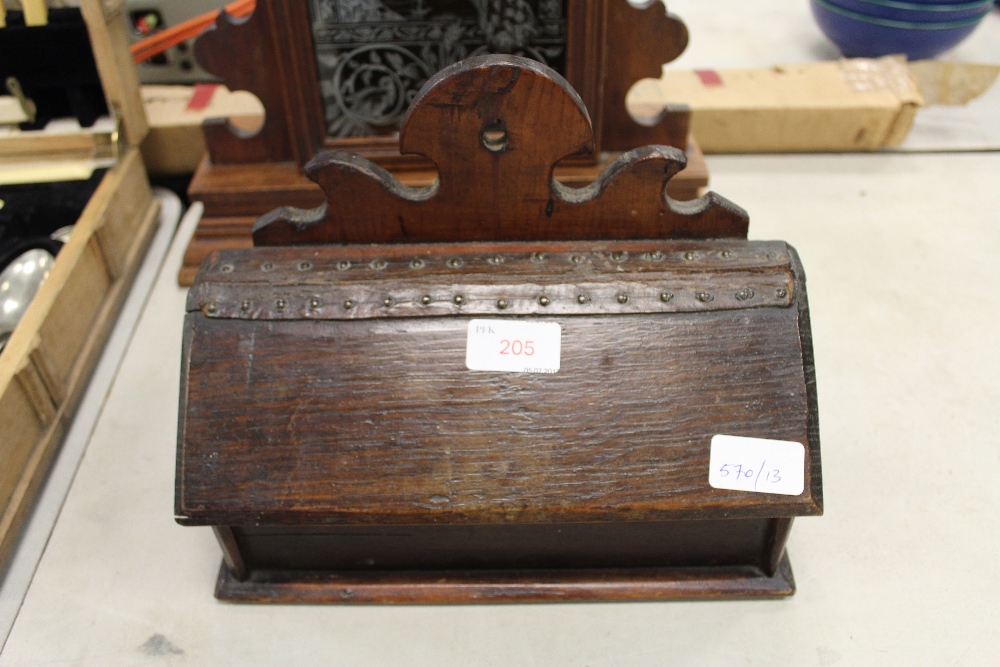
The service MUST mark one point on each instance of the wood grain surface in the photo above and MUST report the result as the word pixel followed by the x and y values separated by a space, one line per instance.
pixel 643 39
pixel 236 195
pixel 477 586
pixel 256 71
pixel 428 280
pixel 379 421
pixel 484 122
pixel 333 434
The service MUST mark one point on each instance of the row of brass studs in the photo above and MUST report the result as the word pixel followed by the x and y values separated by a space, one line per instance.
pixel 495 260
pixel 665 296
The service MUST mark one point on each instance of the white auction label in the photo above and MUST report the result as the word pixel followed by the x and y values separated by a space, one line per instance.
pixel 513 346
pixel 757 464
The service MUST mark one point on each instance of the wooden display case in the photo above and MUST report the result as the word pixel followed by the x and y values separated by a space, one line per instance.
pixel 47 361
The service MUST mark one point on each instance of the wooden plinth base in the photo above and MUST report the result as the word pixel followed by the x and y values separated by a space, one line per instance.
pixel 236 195
pixel 693 583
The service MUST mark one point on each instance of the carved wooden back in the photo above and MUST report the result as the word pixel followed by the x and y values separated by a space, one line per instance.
pixel 610 44
pixel 495 126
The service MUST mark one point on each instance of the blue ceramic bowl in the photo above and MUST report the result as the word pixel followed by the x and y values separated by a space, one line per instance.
pixel 868 37
pixel 897 10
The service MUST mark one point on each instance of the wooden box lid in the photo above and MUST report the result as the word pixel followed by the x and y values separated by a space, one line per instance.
pixel 326 382
pixel 329 385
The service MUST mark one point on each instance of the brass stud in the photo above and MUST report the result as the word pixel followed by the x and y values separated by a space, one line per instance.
pixel 343 265
pixel 619 255
pixel 348 304
pixel 744 294
pixel 622 297
pixel 305 266
pixel 388 302
pixel 582 299
pixel 655 256
pixel 314 302
pixel 266 266
pixel 689 255
pixel 416 263
pixel 426 299
pixel 459 299
pixel 501 303
pixel 226 268
pixel 379 264
pixel 781 293
pixel 727 254
pixel 544 300
pixel 455 262
pixel 245 305
pixel 703 296
pixel 538 257
pixel 210 307
pixel 280 303
pixel 666 296
pixel 496 260
pixel 576 259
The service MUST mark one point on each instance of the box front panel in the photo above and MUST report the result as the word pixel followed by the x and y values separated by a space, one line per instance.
pixel 381 422
pixel 528 546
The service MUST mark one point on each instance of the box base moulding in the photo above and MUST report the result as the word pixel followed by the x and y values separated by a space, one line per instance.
pixel 494 586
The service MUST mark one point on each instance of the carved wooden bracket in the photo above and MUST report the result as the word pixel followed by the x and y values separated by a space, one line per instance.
pixel 640 40
pixel 495 126
pixel 247 70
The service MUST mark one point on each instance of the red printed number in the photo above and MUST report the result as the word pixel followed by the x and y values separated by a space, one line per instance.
pixel 517 347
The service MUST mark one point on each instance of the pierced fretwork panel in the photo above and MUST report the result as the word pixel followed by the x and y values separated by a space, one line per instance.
pixel 374 55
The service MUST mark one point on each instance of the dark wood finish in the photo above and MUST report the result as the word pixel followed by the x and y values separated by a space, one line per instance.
pixel 238 284
pixel 610 46
pixel 748 356
pixel 511 546
pixel 277 63
pixel 403 461
pixel 482 116
pixel 255 53
pixel 252 71
pixel 251 173
pixel 493 587
pixel 640 41
pixel 235 195
pixel 232 556
pixel 332 433
pixel 775 549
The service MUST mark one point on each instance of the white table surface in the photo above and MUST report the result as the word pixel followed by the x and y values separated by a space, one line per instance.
pixel 904 288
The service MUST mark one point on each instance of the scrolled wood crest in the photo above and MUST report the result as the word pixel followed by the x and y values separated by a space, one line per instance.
pixel 495 126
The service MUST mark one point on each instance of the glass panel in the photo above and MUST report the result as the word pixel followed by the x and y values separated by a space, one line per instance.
pixel 373 55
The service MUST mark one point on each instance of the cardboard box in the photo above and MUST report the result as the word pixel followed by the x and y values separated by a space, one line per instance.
pixel 852 105
pixel 175 143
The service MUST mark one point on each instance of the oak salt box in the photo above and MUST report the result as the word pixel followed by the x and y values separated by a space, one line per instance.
pixel 498 388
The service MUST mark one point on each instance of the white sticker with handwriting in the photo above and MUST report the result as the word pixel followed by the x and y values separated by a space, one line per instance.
pixel 757 464
pixel 513 346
